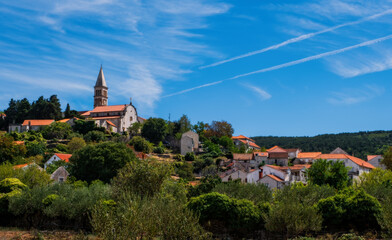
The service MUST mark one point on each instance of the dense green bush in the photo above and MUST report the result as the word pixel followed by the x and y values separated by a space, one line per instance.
pixel 100 161
pixel 146 218
pixel 141 145
pixel 237 214
pixel 257 193
pixel 9 188
pixel 184 170
pixel 350 209
pixel 61 204
pixel 95 136
pixel 57 130
pixel 190 156
pixel 330 173
pixel 160 149
pixel 143 178
pixel 31 176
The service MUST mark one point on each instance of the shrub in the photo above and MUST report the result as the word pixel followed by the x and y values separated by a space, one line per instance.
pixel 238 214
pixel 331 173
pixel 146 218
pixel 11 184
pixel 140 144
pixel 350 209
pixel 160 149
pixel 184 170
pixel 95 136
pixel 143 178
pixel 100 161
pixel 50 199
pixel 190 156
pixel 75 144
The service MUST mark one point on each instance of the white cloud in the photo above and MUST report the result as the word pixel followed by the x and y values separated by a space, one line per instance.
pixel 264 95
pixel 354 96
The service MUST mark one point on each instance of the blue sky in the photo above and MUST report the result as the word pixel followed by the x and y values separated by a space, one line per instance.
pixel 286 68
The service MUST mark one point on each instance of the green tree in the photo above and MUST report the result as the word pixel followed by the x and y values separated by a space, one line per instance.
pixel 387 158
pixel 219 129
pixel 154 130
pixel 75 144
pixel 35 148
pixel 58 130
pixel 143 178
pixel 135 129
pixel 141 145
pixel 9 150
pixel 100 161
pixel 350 209
pixel 331 173
pixel 85 126
pixel 67 112
pixel 95 136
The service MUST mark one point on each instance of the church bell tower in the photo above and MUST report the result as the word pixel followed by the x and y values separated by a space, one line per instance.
pixel 100 91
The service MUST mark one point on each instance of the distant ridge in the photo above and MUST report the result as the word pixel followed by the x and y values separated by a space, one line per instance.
pixel 358 144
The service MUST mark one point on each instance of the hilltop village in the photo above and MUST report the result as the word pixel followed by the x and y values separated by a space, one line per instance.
pixel 61 166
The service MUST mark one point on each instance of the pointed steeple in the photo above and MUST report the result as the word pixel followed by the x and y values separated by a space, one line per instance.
pixel 101 79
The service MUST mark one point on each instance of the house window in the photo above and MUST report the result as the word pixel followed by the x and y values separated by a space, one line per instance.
pixel 131 118
pixel 61 179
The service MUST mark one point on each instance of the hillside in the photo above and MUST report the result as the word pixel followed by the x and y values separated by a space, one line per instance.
pixel 359 144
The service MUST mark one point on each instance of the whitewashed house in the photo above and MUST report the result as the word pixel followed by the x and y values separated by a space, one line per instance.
pixel 58 157
pixel 189 142
pixel 35 124
pixel 251 176
pixel 306 157
pixel 277 176
pixel 242 140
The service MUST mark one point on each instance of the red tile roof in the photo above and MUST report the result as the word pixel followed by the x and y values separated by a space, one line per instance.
pixel 63 156
pixel 241 137
pixel 87 113
pixel 308 154
pixel 274 177
pixel 66 120
pixel 249 143
pixel 113 108
pixel 361 162
pixel 110 123
pixel 273 155
pixel 276 149
pixel 37 122
pixel 356 160
pixel 21 165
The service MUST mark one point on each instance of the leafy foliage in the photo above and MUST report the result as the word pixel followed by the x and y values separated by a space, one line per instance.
pixel 331 173
pixel 75 144
pixel 101 161
pixel 350 209
pixel 10 150
pixel 154 130
pixel 95 136
pixel 141 145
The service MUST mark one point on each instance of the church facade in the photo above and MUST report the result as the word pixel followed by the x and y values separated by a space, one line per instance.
pixel 115 118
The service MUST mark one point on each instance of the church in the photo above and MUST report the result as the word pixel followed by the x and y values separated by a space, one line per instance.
pixel 115 118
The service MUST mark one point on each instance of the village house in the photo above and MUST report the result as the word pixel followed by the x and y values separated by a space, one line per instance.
pixel 306 157
pixel 277 176
pixel 58 157
pixel 30 125
pixel 250 176
pixel 115 118
pixel 278 156
pixel 357 166
pixel 260 158
pixel 189 142
pixel 60 175
pixel 242 140
pixel 27 165
pixel 375 160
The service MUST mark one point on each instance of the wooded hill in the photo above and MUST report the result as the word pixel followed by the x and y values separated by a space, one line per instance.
pixel 358 144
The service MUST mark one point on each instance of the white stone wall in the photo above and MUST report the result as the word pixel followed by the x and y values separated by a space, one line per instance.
pixel 271 183
pixel 253 177
pixel 377 162
pixel 235 175
pixel 268 170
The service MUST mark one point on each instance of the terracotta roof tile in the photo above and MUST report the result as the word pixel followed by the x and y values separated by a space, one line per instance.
pixel 261 154
pixel 63 156
pixel 274 177
pixel 37 122
pixel 370 157
pixel 113 108
pixel 276 149
pixel 308 154
pixel 243 156
pixel 111 124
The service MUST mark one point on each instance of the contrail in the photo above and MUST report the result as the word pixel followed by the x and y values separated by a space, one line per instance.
pixel 288 64
pixel 194 88
pixel 300 38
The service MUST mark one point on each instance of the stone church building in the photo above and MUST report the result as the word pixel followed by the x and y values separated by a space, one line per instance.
pixel 116 118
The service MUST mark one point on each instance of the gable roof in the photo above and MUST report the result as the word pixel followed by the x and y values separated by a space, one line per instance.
pixel 37 122
pixel 60 171
pixel 63 156
pixel 361 162
pixel 338 150
pixel 274 177
pixel 21 165
pixel 370 157
pixel 241 137
pixel 356 160
pixel 308 154
pixel 273 155
pixel 66 120
pixel 249 143
pixel 113 108
pixel 276 149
